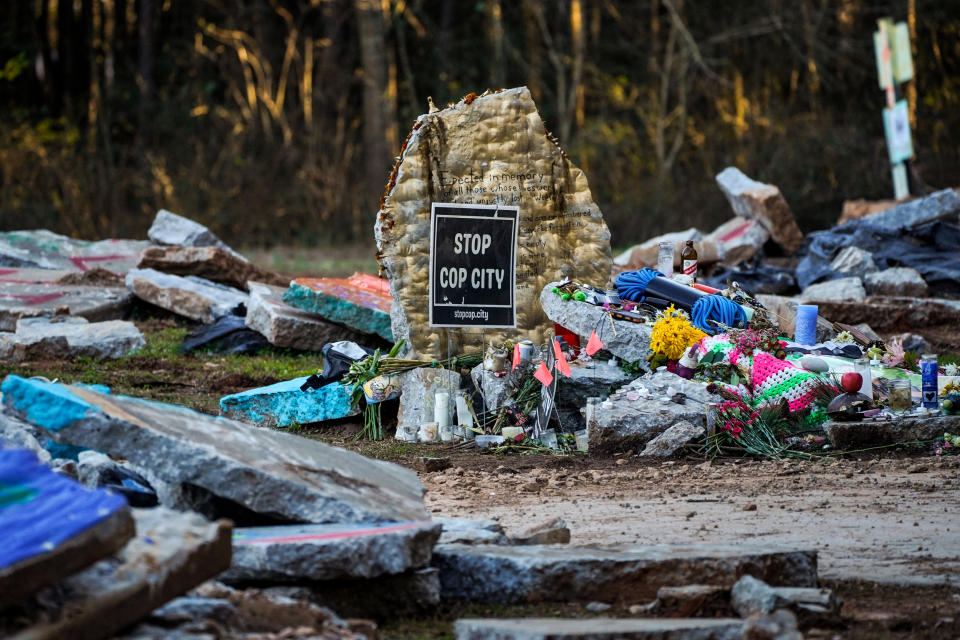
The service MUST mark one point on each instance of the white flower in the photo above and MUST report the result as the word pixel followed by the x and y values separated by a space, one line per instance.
pixel 951 370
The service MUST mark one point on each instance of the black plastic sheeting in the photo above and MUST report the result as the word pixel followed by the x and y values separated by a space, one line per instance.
pixel 933 249
pixel 755 277
pixel 228 334
pixel 337 358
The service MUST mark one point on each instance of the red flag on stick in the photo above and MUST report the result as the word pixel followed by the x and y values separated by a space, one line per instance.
pixel 543 375
pixel 561 365
pixel 594 344
pixel 516 356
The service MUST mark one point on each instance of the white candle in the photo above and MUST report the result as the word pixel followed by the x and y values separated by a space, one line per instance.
pixel 463 412
pixel 441 409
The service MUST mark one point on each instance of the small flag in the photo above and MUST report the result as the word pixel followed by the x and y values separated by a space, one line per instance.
pixel 594 344
pixel 543 375
pixel 516 356
pixel 561 365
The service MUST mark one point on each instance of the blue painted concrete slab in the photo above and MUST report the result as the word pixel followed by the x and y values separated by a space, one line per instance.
pixel 283 404
pixel 361 302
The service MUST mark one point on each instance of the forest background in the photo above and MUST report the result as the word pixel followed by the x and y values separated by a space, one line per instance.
pixel 276 121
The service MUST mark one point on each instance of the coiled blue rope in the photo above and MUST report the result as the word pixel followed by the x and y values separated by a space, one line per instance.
pixel 712 314
pixel 632 284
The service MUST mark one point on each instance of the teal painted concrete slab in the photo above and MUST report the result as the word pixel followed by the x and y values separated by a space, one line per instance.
pixel 360 302
pixel 283 404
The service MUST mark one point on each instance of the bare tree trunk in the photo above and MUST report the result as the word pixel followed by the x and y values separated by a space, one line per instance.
pixel 495 36
pixel 374 62
pixel 145 78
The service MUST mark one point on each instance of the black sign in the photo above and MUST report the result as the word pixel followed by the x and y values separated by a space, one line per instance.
pixel 473 259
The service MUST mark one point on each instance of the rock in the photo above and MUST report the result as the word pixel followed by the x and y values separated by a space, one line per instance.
pixel 618 575
pixel 910 428
pixel 761 202
pixel 42 544
pixel 194 298
pixel 891 315
pixel 815 364
pixel 32 293
pixel 465 531
pixel 896 281
pixel 779 625
pixel 494 389
pixel 95 469
pixel 594 379
pixel 911 342
pixel 694 600
pixel 497 143
pixel 431 464
pixel 597 629
pixel 289 327
pixel 16 434
pixel 211 263
pixel 855 262
pixel 630 342
pixel 294 553
pixel 750 597
pixel 839 290
pixel 812 607
pixel 672 440
pixel 739 238
pixel 283 404
pixel 69 337
pixel 383 598
pixel 190 608
pixel 171 553
pixel 44 249
pixel 361 302
pixel 418 389
pixel 621 423
pixel 553 531
pixel 171 229
pixel 936 206
pixel 597 607
pixel 271 475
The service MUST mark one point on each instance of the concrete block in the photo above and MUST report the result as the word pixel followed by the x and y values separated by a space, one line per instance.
pixel 294 553
pixel 211 263
pixel 598 629
pixel 32 293
pixel 490 573
pixel 283 404
pixel 278 476
pixel 68 337
pixel 191 297
pixel 910 428
pixel 762 202
pixel 361 302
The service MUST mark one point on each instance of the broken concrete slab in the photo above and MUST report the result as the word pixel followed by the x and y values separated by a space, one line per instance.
pixel 418 389
pixel 289 327
pixel 623 575
pixel 171 229
pixel 639 412
pixel 896 281
pixel 52 526
pixel 494 389
pixel 274 475
pixel 861 207
pixel 854 262
pixel 69 337
pixel 211 263
pixel 44 249
pixel 598 629
pixel 30 293
pixel 283 404
pixel 294 553
pixel 496 143
pixel 673 439
pixel 631 341
pixel 761 202
pixel 908 428
pixel 194 298
pixel 894 314
pixel 739 239
pixel 594 379
pixel 171 553
pixel 467 531
pixel 940 205
pixel 17 434
pixel 384 598
pixel 361 302
pixel 95 469
pixel 839 290
pixel 693 601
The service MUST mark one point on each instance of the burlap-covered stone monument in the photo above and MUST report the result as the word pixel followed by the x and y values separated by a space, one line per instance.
pixel 491 149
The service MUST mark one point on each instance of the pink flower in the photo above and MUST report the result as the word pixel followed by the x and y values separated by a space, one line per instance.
pixel 519 437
